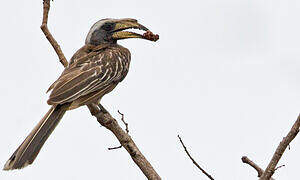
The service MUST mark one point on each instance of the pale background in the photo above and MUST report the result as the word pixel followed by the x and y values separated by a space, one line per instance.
pixel 224 75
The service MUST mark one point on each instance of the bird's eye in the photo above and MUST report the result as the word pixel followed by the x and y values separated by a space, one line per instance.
pixel 107 26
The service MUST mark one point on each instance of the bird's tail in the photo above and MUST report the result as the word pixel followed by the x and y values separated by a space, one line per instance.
pixel 31 146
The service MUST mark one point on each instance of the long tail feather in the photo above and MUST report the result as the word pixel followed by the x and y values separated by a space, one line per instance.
pixel 31 146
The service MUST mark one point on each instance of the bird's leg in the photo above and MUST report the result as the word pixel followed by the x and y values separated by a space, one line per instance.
pixel 102 109
pixel 94 109
pixel 102 115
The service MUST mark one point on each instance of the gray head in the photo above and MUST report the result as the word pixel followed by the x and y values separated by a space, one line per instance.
pixel 111 30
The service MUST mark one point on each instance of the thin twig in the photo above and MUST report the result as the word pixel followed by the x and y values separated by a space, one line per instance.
pixel 113 148
pixel 280 150
pixel 125 123
pixel 281 166
pixel 103 116
pixel 196 164
pixel 127 130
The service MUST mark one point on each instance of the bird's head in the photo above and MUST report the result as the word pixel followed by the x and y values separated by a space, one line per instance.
pixel 111 30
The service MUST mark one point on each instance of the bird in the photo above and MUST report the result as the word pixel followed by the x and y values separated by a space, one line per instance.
pixel 93 71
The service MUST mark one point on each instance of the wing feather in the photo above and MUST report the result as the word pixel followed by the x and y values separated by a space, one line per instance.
pixel 101 70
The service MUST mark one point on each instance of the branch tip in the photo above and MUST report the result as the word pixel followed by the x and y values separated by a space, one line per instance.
pixel 194 162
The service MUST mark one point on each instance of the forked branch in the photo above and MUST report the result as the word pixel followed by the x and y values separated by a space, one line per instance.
pixel 271 168
pixel 268 173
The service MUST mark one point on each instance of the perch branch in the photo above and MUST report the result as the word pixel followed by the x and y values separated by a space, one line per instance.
pixel 103 116
pixel 106 120
pixel 280 150
pixel 196 164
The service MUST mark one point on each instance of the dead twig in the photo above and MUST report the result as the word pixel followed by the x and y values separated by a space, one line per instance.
pixel 103 116
pixel 281 166
pixel 196 164
pixel 113 148
pixel 127 130
pixel 125 123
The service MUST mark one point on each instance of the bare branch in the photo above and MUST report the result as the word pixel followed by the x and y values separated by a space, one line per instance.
pixel 53 42
pixel 280 150
pixel 103 116
pixel 196 164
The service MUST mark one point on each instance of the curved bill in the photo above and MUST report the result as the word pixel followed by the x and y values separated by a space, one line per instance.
pixel 125 24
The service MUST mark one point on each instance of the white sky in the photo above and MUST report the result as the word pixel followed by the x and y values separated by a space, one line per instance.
pixel 224 75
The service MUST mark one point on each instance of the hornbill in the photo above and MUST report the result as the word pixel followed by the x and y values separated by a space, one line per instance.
pixel 93 71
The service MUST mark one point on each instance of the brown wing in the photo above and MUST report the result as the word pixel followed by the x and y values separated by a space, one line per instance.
pixel 91 73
